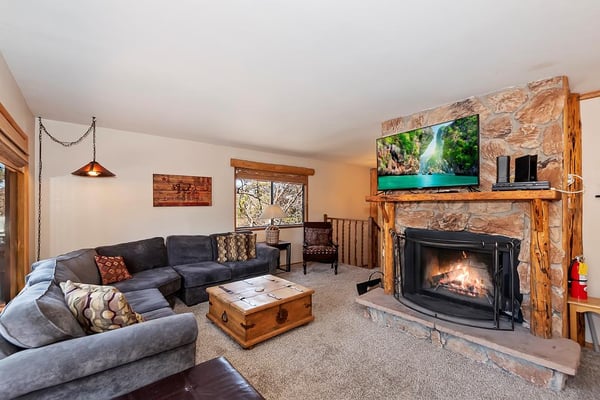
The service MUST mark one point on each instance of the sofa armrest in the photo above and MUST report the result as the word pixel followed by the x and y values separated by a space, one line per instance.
pixel 268 253
pixel 34 369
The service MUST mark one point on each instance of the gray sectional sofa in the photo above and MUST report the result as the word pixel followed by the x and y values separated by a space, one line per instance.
pixel 44 353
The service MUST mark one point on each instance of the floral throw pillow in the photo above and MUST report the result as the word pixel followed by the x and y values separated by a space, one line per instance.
pixel 98 308
pixel 112 269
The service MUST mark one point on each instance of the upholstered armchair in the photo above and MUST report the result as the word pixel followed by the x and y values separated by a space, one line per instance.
pixel 318 245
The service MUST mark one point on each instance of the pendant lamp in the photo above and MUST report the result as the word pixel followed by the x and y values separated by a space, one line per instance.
pixel 93 169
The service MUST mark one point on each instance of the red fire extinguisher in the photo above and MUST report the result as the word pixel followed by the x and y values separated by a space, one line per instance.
pixel 578 278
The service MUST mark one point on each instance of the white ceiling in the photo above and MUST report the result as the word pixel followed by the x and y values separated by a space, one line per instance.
pixel 311 78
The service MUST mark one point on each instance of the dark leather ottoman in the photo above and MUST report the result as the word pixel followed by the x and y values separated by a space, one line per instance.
pixel 213 379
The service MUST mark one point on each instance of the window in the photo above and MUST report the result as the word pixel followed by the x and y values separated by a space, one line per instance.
pixel 252 196
pixel 258 185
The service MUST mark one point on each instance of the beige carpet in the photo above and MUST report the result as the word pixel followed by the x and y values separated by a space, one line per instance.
pixel 343 355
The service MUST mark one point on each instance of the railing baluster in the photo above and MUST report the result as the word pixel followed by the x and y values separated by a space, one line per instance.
pixel 357 240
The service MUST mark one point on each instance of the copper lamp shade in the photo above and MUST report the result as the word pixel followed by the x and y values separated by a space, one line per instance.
pixel 93 169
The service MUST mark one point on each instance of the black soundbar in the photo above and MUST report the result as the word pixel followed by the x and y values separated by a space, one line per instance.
pixel 533 185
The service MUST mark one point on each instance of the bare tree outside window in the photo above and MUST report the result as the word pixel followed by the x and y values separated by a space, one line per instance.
pixel 253 196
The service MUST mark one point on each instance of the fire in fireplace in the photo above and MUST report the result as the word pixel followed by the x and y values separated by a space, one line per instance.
pixel 462 277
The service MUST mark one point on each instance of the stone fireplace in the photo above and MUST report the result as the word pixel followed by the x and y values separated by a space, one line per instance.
pixel 540 118
pixel 517 121
pixel 462 277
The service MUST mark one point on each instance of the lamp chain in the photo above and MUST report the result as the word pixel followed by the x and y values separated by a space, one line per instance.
pixel 64 143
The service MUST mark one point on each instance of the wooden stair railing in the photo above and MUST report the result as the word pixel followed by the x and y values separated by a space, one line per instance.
pixel 358 241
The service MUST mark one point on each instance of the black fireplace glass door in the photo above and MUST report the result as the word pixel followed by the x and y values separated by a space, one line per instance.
pixel 459 275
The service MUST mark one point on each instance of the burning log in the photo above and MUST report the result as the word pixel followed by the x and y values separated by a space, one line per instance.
pixel 458 281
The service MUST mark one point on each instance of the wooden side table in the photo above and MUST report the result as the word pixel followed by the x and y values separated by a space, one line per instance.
pixel 577 309
pixel 287 246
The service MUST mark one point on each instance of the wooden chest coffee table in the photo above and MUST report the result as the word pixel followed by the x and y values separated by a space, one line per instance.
pixel 256 309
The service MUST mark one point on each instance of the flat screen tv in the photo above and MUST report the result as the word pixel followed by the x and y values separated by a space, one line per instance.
pixel 436 156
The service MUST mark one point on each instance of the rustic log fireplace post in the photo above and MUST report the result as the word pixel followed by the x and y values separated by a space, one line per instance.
pixel 541 295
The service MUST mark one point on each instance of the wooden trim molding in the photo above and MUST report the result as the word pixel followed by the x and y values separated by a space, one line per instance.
pixel 572 205
pixel 14 154
pixel 589 95
pixel 22 136
pixel 14 151
pixel 277 168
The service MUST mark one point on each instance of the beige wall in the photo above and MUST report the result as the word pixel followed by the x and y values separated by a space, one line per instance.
pixel 590 126
pixel 12 99
pixel 81 212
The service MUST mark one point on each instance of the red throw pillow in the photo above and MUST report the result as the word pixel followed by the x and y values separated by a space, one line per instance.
pixel 112 269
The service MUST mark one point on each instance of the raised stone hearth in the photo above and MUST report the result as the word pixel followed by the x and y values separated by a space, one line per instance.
pixel 543 362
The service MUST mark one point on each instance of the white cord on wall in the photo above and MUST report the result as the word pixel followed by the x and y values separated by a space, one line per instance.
pixel 570 181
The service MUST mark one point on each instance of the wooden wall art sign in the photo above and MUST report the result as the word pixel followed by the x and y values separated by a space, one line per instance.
pixel 181 190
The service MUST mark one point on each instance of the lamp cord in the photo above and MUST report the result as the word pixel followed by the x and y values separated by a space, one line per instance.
pixel 63 143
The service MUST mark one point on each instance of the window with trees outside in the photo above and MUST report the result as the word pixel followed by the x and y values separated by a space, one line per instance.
pixel 253 196
pixel 258 185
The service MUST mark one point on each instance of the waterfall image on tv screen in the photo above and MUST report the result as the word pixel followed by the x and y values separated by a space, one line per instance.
pixel 442 155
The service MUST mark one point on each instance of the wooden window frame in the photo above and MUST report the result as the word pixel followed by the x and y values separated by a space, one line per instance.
pixel 14 154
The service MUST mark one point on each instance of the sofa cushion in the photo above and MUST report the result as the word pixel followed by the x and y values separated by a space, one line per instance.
pixel 241 269
pixel 203 273
pixel 43 271
pixel 78 266
pixel 99 308
pixel 112 269
pixel 143 301
pixel 159 313
pixel 189 249
pixel 139 255
pixel 165 279
pixel 78 262
pixel 7 348
pixel 38 316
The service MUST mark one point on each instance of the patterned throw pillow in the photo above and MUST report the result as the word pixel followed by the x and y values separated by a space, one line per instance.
pixel 99 308
pixel 318 237
pixel 231 250
pixel 236 246
pixel 112 269
pixel 241 244
pixel 251 238
pixel 221 248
